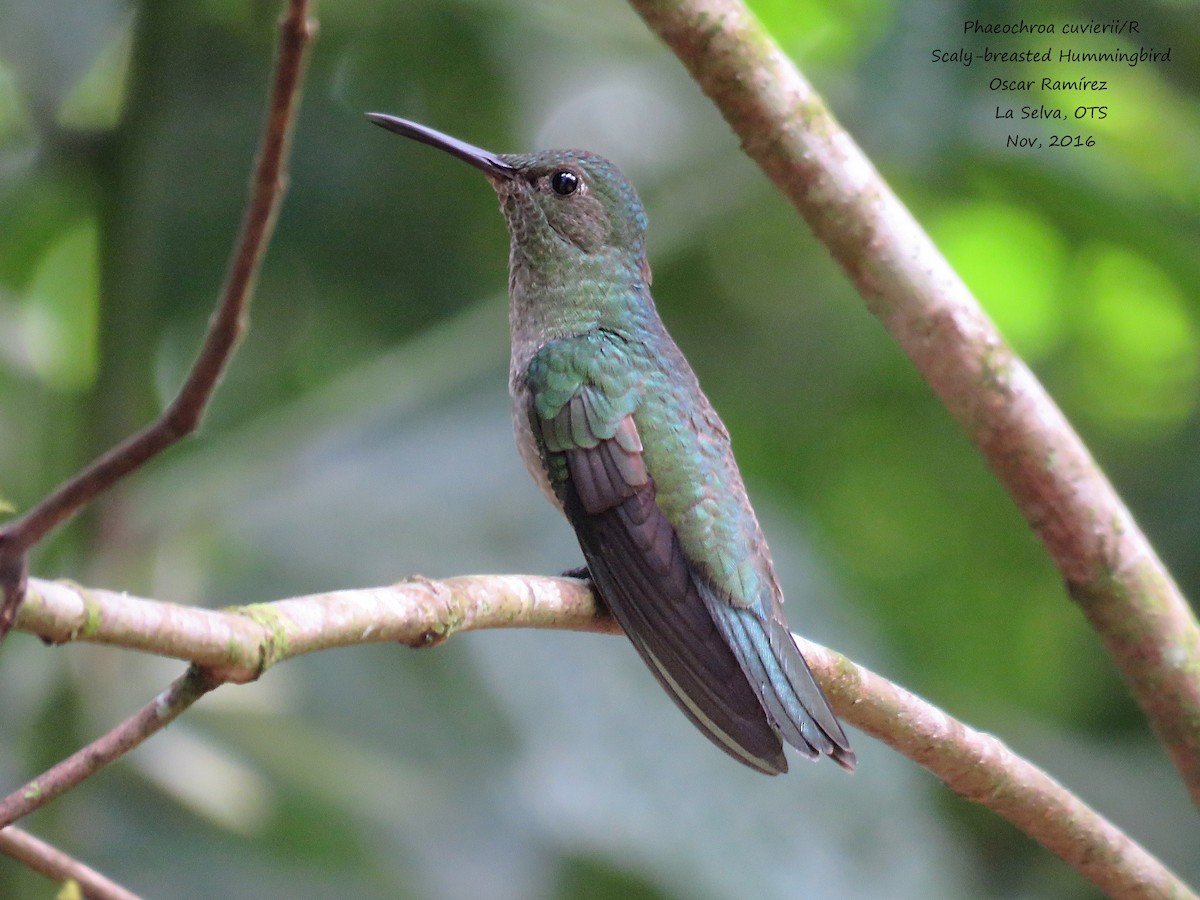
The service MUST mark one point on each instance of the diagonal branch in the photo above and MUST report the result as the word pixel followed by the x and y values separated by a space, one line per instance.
pixel 182 416
pixel 982 769
pixel 239 644
pixel 1108 565
pixel 150 719
pixel 58 866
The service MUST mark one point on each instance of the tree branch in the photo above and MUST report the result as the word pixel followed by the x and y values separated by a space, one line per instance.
pixel 1109 567
pixel 58 866
pixel 182 415
pixel 239 644
pixel 150 719
pixel 981 768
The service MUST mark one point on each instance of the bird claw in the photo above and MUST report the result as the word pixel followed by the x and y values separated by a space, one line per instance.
pixel 585 574
pixel 581 572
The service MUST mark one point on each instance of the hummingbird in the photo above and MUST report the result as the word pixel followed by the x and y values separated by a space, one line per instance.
pixel 612 424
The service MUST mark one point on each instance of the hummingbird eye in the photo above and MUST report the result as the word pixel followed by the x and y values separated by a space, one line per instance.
pixel 564 182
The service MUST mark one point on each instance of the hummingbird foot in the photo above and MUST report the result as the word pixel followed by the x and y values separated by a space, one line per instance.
pixel 585 574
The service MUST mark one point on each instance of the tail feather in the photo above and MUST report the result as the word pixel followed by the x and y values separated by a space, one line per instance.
pixel 642 577
pixel 782 680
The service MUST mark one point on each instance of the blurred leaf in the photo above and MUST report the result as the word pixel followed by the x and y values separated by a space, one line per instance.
pixel 61 310
pixel 816 29
pixel 593 879
pixel 96 101
pixel 1014 262
pixel 14 120
pixel 1139 357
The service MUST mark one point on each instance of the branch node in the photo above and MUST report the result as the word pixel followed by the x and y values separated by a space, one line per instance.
pixel 271 647
pixel 14 576
pixel 430 637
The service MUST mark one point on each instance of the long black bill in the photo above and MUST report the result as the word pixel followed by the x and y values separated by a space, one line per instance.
pixel 480 159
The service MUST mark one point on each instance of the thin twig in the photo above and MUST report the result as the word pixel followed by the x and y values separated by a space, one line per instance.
pixel 182 415
pixel 150 719
pixel 238 644
pixel 58 866
pixel 1108 565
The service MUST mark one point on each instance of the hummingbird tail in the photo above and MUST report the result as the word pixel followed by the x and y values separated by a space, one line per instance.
pixel 782 680
pixel 641 575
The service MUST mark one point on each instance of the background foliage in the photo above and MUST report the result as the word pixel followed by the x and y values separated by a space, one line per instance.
pixel 362 435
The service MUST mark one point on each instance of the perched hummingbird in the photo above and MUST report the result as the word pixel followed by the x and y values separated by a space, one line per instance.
pixel 613 426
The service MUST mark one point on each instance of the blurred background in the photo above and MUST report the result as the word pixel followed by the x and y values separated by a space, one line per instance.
pixel 362 435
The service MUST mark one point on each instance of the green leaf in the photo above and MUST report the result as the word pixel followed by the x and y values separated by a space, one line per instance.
pixel 61 310
pixel 1139 350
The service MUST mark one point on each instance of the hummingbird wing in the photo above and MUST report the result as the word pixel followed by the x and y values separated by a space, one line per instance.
pixel 582 416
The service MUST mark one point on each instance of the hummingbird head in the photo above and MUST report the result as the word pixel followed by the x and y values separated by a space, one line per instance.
pixel 567 210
